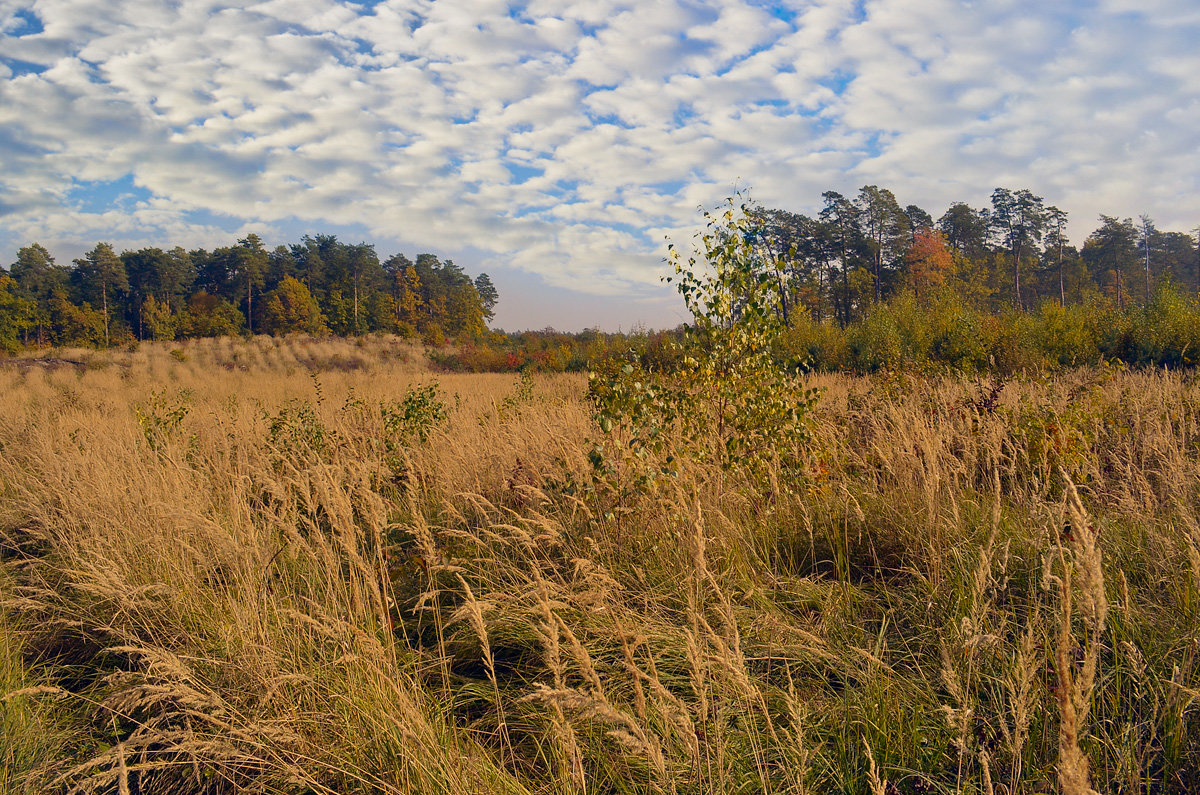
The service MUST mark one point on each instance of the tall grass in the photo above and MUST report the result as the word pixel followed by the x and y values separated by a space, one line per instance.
pixel 260 578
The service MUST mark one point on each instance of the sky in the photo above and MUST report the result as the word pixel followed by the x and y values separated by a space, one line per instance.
pixel 558 146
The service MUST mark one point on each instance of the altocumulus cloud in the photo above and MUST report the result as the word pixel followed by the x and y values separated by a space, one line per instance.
pixel 566 139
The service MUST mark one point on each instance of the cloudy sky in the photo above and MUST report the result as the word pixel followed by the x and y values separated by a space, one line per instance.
pixel 556 145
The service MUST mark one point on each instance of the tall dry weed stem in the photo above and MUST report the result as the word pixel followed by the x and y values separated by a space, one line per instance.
pixel 1080 588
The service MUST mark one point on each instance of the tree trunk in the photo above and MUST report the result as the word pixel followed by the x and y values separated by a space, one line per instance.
pixel 1017 275
pixel 1147 270
pixel 104 300
pixel 1062 294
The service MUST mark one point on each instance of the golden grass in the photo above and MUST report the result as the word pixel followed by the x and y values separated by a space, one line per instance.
pixel 227 570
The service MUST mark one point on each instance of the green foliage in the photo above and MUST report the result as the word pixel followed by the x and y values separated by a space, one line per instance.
pixel 162 418
pixel 158 320
pixel 289 308
pixel 1167 331
pixel 1068 334
pixel 635 410
pixel 728 401
pixel 521 396
pixel 17 314
pixel 72 324
pixel 433 335
pixel 874 344
pixel 416 415
pixel 408 421
pixel 297 429
pixel 211 316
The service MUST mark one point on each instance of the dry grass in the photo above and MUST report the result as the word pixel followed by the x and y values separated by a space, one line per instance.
pixel 228 569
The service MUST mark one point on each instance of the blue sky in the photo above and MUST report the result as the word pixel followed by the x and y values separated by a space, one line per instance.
pixel 557 145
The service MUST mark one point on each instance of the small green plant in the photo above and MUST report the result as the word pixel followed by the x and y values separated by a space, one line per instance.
pixel 296 426
pixel 522 395
pixel 416 415
pixel 162 418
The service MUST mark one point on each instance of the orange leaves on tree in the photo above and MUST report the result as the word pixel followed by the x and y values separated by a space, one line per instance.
pixel 929 260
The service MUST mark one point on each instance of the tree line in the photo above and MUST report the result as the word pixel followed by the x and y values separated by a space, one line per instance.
pixel 858 251
pixel 319 285
pixel 837 268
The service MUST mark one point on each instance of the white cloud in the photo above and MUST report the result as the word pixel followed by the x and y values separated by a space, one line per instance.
pixel 427 122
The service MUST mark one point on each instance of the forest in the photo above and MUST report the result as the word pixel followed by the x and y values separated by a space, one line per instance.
pixel 317 286
pixel 865 284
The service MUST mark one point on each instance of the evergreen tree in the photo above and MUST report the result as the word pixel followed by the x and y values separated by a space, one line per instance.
pixel 841 217
pixel 1018 220
pixel 884 228
pixel 1110 252
pixel 101 272
pixel 965 230
pixel 488 295
pixel 247 268
pixel 37 277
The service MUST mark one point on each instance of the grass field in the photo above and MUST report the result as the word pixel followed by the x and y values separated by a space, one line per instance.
pixel 314 566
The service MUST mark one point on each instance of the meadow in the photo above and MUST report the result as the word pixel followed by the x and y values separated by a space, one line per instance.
pixel 312 565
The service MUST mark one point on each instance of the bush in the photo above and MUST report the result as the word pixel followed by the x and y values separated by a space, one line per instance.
pixel 1067 335
pixel 211 316
pixel 874 343
pixel 1166 333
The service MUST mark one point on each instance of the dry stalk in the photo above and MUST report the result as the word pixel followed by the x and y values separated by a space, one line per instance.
pixel 472 609
pixel 878 785
pixel 1081 593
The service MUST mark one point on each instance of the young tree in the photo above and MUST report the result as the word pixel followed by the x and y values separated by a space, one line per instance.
pixel 157 320
pixel 211 316
pixel 290 307
pixel 928 260
pixel 731 402
pixel 16 314
pixel 73 325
